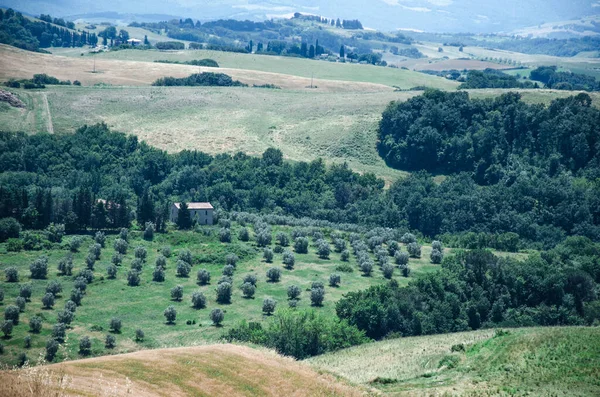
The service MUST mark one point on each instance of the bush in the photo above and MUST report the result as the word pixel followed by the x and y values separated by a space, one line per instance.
pixel 405 271
pixel 161 261
pixel 203 277
pixel 120 245
pixel 111 271
pixel 225 235
pixel 401 258
pixel 317 295
pixel 137 265
pixel 115 325
pixel 177 293
pixel 59 331
pixel 170 314
pixel 393 247
pixel 293 292
pixel 48 301
pixel 85 346
pixel 414 250
pixel 139 335
pixel 166 251
pixel 39 268
pixel 133 278
pixel 14 245
pixel 75 243
pixel 25 291
pixel 408 238
pixel 140 253
pixel 289 259
pixel 282 239
pixel 110 342
pixel 20 302
pixel 243 234
pixel 9 228
pixel 274 274
pixel 158 274
pixel 149 231
pixel 436 256
pixel 250 278
pixel 76 296
pixel 268 306
pixel 248 290
pixel 183 269
pixel 51 349
pixel 228 270
pixel 231 259
pixel 27 342
pixel 12 274
pixel 124 234
pixel 224 292
pixel 11 313
pixel 65 266
pixel 268 255
pixel 301 245
pixel 100 238
pixel 117 259
pixel 198 300
pixel 186 256
pixel 335 280
pixel 55 232
pixel 388 271
pixel 1 295
pixel 7 328
pixel 217 316
pixel 65 316
pixel 35 324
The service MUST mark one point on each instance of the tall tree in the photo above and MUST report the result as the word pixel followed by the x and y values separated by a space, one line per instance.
pixel 311 51
pixel 184 221
pixel 342 52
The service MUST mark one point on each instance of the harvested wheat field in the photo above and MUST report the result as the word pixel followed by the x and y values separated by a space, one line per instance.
pixel 20 64
pixel 214 370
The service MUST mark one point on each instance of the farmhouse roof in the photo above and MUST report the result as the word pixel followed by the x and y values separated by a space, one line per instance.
pixel 134 41
pixel 196 206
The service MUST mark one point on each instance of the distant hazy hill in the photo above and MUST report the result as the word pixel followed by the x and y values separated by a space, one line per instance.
pixel 429 15
pixel 586 26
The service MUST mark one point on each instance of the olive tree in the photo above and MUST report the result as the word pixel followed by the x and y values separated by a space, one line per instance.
pixel 224 292
pixel 158 274
pixel 436 256
pixel 75 243
pixel 250 278
pixel 48 301
pixel 170 314
pixel 133 278
pixel 110 342
pixel 289 259
pixel 228 270
pixel 293 292
pixel 198 300
pixel 95 250
pixel 231 259
pixel 203 277
pixel 268 255
pixel 7 328
pixel 25 291
pixel 243 234
pixel 54 287
pixel 217 316
pixel 183 269
pixel 317 295
pixel 140 252
pixel 149 231
pixel 115 325
pixel 283 239
pixel 85 346
pixel 120 245
pixel 225 235
pixel 39 268
pixel 139 335
pixel 301 245
pixel 20 302
pixel 111 271
pixel 65 266
pixel 388 271
pixel 51 349
pixel 11 313
pixel 268 306
pixel 65 316
pixel 35 324
pixel 248 290
pixel 100 238
pixel 414 250
pixel 274 274
pixel 12 274
pixel 177 293
pixel 59 331
pixel 334 279
pixel 401 258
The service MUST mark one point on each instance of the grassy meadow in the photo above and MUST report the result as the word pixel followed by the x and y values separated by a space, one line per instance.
pixel 143 306
pixel 552 361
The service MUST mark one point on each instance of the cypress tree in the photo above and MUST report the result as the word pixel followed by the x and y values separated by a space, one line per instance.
pixel 183 217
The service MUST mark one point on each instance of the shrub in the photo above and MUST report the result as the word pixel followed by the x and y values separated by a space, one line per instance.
pixel 268 306
pixel 161 261
pixel 293 292
pixel 9 228
pixel 76 296
pixel 12 274
pixel 268 255
pixel 65 316
pixel 274 274
pixel 27 342
pixel 75 243
pixel 401 258
pixel 110 342
pixel 317 295
pixel 115 325
pixel 139 335
pixel 158 274
pixel 203 277
pixel 217 316
pixel 228 270
pixel 25 291
pixel 85 346
pixel 436 256
pixel 436 245
pixel 140 253
pixel 1 295
pixel 111 271
pixel 225 235
pixel 35 324
pixel 289 259
pixel 55 232
pixel 149 231
pixel 51 349
pixel 39 268
pixel 14 245
pixel 137 265
pixel 335 280
pixel 11 312
pixel 133 278
pixel 388 271
pixel 7 328
pixel 198 300
pixel 166 251
pixel 65 266
pixel 59 332
pixel 100 238
pixel 243 234
pixel 282 239
pixel 393 246
pixel 301 245
pixel 183 269
pixel 250 278
pixel 231 259
pixel 224 292
pixel 124 234
pixel 117 259
pixel 177 293
pixel 405 271
pixel 408 238
pixel 170 314
pixel 48 301
pixel 20 302
pixel 185 255
pixel 414 250
pixel 248 290
pixel 120 245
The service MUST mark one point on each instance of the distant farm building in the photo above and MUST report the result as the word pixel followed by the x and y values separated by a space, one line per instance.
pixel 201 213
pixel 134 42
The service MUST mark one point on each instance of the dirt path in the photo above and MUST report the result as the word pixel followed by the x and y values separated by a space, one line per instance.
pixel 49 124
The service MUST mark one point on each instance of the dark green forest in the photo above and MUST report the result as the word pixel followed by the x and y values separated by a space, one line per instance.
pixel 200 79
pixel 490 78
pixel 564 80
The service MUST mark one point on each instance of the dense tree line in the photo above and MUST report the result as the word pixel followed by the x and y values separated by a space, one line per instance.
pixel 211 63
pixel 564 80
pixel 200 79
pixel 476 289
pixel 491 78
pixel 22 32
